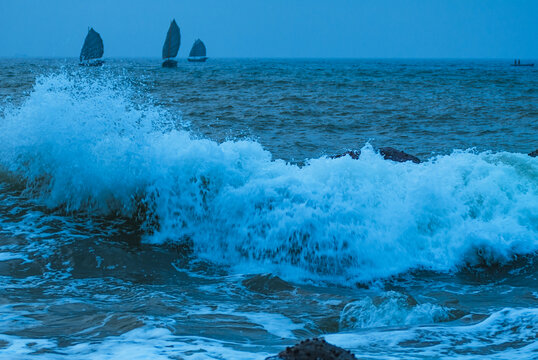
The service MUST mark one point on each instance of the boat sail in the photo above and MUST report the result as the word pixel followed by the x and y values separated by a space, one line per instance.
pixel 198 52
pixel 92 50
pixel 171 45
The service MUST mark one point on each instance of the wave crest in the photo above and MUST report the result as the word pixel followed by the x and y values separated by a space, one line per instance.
pixel 86 146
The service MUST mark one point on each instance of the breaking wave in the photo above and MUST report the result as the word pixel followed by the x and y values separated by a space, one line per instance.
pixel 88 146
pixel 390 309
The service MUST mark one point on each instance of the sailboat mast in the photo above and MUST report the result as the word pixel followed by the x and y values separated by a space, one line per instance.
pixel 169 46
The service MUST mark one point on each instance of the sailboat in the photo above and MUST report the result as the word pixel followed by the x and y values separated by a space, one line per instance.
pixel 198 52
pixel 92 50
pixel 518 63
pixel 171 45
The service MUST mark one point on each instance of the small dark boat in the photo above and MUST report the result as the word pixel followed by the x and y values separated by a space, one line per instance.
pixel 198 52
pixel 92 50
pixel 518 63
pixel 171 45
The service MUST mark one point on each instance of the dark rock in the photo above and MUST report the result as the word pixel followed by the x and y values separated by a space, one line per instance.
pixel 267 284
pixel 353 153
pixel 390 153
pixel 534 153
pixel 314 349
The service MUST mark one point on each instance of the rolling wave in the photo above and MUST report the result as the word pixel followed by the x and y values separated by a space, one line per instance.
pixel 87 146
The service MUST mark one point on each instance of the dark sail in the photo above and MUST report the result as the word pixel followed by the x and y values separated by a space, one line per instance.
pixel 198 49
pixel 172 42
pixel 93 46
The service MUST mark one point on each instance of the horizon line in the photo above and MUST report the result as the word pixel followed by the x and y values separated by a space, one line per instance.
pixel 40 57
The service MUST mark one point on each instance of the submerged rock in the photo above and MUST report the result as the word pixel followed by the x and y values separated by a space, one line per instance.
pixel 393 154
pixel 353 153
pixel 388 153
pixel 314 349
pixel 534 153
pixel 267 284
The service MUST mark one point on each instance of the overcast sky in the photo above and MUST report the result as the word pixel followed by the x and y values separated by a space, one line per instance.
pixel 276 28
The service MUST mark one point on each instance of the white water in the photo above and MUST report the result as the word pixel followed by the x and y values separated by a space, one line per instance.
pixel 87 146
pixel 490 338
pixel 391 309
pixel 139 344
pixel 494 338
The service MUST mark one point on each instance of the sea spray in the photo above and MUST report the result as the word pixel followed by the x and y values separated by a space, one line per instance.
pixel 82 146
pixel 390 309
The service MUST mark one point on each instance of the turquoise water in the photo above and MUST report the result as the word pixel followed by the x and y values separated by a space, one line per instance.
pixel 196 212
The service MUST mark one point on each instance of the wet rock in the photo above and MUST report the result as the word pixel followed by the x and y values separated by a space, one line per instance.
pixel 314 349
pixel 534 153
pixel 353 153
pixel 388 153
pixel 393 154
pixel 267 284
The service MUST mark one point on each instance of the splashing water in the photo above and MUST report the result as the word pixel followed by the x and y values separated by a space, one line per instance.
pixel 124 231
pixel 84 147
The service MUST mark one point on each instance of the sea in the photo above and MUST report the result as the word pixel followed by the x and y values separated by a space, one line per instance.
pixel 200 212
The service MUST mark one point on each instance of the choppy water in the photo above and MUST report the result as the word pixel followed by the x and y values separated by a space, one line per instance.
pixel 194 213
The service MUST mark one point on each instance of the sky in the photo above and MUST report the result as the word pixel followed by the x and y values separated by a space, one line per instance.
pixel 276 28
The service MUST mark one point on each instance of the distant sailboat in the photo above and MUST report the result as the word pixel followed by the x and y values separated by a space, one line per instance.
pixel 92 50
pixel 198 52
pixel 171 45
pixel 518 63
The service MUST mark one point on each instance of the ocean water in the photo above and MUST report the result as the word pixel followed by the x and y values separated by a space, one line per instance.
pixel 196 213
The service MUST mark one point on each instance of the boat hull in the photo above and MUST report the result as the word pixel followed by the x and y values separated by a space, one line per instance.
pixel 197 58
pixel 91 63
pixel 170 63
pixel 522 64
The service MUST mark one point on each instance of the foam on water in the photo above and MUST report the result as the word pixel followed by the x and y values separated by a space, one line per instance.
pixel 142 343
pixel 506 334
pixel 85 146
pixel 5 256
pixel 274 324
pixel 391 309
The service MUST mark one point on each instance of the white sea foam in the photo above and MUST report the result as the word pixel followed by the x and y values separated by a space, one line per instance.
pixel 138 344
pixel 390 309
pixel 505 334
pixel 5 256
pixel 83 145
pixel 275 324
